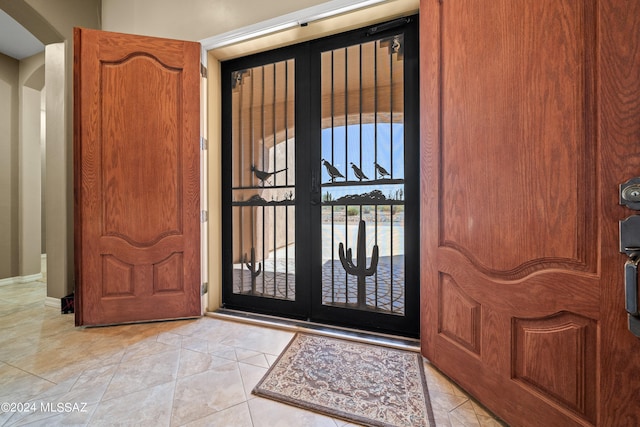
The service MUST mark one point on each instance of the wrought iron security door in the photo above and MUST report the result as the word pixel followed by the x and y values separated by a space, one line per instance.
pixel 261 188
pixel 321 219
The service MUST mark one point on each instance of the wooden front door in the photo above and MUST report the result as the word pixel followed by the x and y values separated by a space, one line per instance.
pixel 136 178
pixel 530 121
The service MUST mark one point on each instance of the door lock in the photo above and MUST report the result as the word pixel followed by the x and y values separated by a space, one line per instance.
pixel 630 194
pixel 630 245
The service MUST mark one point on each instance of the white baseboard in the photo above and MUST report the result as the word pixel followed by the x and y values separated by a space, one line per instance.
pixel 30 278
pixel 52 302
pixel 20 279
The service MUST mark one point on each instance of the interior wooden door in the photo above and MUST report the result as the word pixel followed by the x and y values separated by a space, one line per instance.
pixel 528 127
pixel 136 178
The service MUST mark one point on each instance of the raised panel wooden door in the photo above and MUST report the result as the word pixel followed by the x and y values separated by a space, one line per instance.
pixel 523 146
pixel 137 177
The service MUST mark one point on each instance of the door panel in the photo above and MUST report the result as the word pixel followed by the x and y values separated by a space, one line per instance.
pixel 263 178
pixel 516 243
pixel 515 286
pixel 368 187
pixel 533 123
pixel 136 178
pixel 262 205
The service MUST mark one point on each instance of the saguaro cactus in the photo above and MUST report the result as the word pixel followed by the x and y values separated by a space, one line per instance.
pixel 360 270
pixel 251 266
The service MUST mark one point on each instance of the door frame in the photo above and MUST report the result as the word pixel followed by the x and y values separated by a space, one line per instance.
pixel 308 217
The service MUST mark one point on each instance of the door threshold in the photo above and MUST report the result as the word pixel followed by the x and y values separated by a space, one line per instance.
pixel 397 342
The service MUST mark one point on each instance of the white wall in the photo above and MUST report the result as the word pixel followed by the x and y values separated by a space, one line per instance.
pixel 58 212
pixel 30 165
pixel 20 179
pixel 191 19
pixel 52 22
pixel 9 95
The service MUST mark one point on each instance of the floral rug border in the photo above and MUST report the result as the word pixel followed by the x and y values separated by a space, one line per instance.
pixel 268 386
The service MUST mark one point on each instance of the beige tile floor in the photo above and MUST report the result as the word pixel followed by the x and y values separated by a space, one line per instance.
pixel 181 373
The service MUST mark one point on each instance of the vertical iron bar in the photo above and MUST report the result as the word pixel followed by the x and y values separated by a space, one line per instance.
pixel 360 118
pixel 286 123
pixel 252 141
pixel 275 166
pixel 241 176
pixel 333 234
pixel 346 112
pixel 360 125
pixel 252 135
pixel 346 155
pixel 241 136
pixel 241 217
pixel 240 166
pixel 391 281
pixel 286 179
pixel 262 132
pixel 391 112
pixel 375 106
pixel 275 245
pixel 273 120
pixel 286 251
pixel 375 140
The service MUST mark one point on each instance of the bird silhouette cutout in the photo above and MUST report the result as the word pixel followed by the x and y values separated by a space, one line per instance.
pixel 358 172
pixel 262 175
pixel 332 170
pixel 380 170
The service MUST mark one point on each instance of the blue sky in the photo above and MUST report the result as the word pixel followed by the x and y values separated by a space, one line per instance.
pixel 341 157
pixel 346 149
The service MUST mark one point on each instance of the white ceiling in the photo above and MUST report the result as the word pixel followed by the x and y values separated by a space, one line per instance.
pixel 15 40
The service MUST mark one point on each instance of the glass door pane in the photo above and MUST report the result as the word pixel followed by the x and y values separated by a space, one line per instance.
pixel 362 178
pixel 263 192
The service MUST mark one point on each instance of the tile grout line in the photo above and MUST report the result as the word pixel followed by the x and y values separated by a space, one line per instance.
pixel 99 402
pixel 175 386
pixel 121 344
pixel 29 373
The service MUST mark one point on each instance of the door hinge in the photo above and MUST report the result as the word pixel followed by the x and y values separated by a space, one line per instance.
pixel 204 216
pixel 203 71
pixel 205 287
pixel 204 144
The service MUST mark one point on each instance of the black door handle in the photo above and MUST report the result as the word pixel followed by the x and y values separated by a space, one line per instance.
pixel 631 293
pixel 315 188
pixel 630 245
pixel 631 286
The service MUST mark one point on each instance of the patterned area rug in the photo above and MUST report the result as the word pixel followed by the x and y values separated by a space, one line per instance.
pixel 361 383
